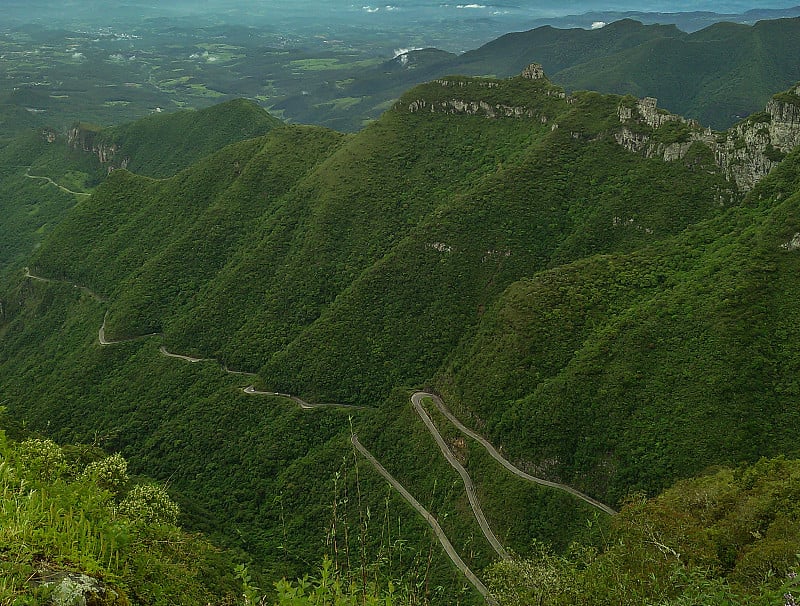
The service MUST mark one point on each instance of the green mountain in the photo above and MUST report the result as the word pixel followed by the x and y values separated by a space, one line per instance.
pixel 717 75
pixel 163 144
pixel 601 288
pixel 45 173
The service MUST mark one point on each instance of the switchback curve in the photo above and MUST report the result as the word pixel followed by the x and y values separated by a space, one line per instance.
pixel 51 182
pixel 505 463
pixel 416 400
pixel 472 494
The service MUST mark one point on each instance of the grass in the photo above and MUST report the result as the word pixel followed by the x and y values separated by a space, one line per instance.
pixel 56 515
pixel 341 104
pixel 330 64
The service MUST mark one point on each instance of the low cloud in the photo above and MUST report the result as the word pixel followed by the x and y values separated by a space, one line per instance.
pixel 403 51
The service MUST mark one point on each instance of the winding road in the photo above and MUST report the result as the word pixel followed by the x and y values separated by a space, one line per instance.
pixel 164 352
pixel 472 494
pixel 416 400
pixel 430 519
pixel 251 391
pixel 499 458
pixel 83 289
pixel 51 182
pixel 101 336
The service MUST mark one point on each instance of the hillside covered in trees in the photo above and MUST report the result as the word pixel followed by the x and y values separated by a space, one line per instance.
pixel 581 277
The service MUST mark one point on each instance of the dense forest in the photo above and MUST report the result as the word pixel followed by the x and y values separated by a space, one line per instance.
pixel 227 318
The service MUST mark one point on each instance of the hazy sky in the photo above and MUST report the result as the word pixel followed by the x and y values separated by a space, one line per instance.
pixel 482 20
pixel 477 7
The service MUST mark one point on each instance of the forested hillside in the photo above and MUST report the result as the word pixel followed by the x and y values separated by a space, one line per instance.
pixel 44 172
pixel 609 320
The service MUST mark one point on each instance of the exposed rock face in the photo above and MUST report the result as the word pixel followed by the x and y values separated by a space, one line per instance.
pixel 533 72
pixel 746 153
pixel 82 138
pixel 793 244
pixel 754 146
pixel 646 110
pixel 49 135
pixel 74 589
pixel 456 106
pixel 489 110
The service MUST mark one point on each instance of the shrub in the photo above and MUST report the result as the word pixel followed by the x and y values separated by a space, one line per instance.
pixel 110 473
pixel 149 503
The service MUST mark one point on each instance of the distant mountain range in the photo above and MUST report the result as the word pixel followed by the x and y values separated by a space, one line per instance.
pixel 717 75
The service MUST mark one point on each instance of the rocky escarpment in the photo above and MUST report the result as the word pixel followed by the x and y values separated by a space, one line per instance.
pixel 746 153
pixel 86 138
pixel 754 146
pixel 656 133
pixel 462 96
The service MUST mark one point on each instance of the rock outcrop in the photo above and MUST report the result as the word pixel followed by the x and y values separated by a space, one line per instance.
pixel 645 113
pixel 753 147
pixel 458 104
pixel 533 72
pixel 746 153
pixel 84 137
pixel 75 589
pixel 793 244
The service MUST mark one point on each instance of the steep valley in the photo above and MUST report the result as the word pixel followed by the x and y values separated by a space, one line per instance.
pixel 603 290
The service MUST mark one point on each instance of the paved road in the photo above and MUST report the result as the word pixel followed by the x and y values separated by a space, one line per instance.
pixel 499 458
pixel 416 400
pixel 472 494
pixel 88 291
pixel 164 352
pixel 251 391
pixel 101 336
pixel 51 182
pixel 437 529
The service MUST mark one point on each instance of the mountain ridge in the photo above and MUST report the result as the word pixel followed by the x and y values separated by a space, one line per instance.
pixel 605 317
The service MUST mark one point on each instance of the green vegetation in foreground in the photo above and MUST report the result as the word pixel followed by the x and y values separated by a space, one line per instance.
pixel 729 538
pixel 70 514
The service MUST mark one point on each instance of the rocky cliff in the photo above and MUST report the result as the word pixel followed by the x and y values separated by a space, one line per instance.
pixel 86 138
pixel 459 95
pixel 746 153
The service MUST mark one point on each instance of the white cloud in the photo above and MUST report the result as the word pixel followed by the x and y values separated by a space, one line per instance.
pixel 599 24
pixel 470 6
pixel 403 51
